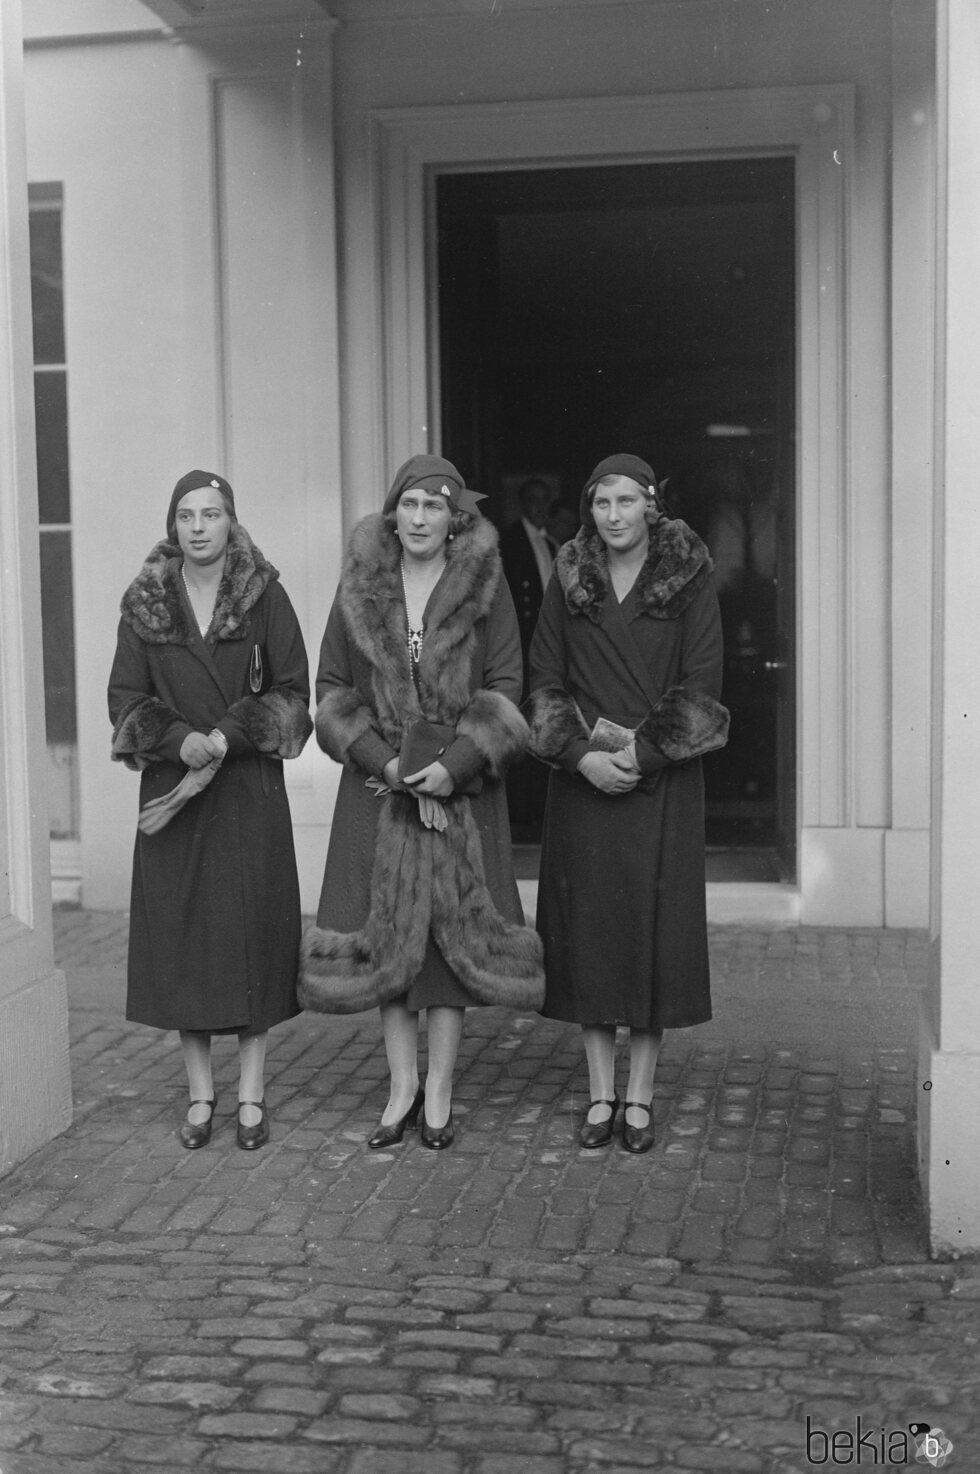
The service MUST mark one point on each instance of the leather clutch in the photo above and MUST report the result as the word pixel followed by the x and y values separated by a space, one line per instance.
pixel 423 743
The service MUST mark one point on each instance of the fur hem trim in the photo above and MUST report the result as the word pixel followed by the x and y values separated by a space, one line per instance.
pixel 152 605
pixel 555 721
pixel 496 728
pixel 341 718
pixel 423 881
pixel 685 724
pixel 139 730
pixel 277 722
pixel 677 565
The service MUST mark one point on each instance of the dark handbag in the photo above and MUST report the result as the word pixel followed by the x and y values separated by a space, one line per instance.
pixel 425 742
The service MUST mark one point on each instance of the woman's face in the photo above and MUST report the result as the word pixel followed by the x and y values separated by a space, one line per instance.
pixel 619 509
pixel 203 526
pixel 422 523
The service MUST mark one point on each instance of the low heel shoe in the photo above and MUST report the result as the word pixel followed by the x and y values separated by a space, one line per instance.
pixel 250 1138
pixel 638 1138
pixel 193 1136
pixel 601 1132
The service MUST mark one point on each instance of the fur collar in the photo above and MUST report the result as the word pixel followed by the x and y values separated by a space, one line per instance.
pixel 676 566
pixel 372 601
pixel 154 608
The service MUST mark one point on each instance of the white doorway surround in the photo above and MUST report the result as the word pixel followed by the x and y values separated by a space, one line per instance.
pixel 841 856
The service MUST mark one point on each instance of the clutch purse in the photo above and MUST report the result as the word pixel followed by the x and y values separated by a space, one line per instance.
pixel 607 736
pixel 423 743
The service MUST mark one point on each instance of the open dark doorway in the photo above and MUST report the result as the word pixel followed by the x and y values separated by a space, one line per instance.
pixel 648 308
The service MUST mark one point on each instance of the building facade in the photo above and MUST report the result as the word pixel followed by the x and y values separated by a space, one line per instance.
pixel 257 203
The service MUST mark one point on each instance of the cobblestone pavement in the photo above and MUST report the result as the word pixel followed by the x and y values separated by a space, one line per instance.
pixel 756 1294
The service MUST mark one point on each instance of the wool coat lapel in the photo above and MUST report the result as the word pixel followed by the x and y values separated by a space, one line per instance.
pixel 199 646
pixel 622 655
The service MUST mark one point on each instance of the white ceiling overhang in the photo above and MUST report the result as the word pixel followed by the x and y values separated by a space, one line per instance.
pixel 185 15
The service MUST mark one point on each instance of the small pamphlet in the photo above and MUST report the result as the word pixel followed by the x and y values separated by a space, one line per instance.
pixel 607 736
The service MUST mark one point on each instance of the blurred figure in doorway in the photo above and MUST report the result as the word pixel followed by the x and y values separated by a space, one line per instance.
pixel 527 551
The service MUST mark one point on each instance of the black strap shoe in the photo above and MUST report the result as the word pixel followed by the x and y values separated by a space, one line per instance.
pixel 250 1138
pixel 192 1135
pixel 599 1133
pixel 638 1138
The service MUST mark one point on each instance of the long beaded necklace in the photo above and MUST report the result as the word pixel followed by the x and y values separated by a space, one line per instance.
pixel 414 618
pixel 415 602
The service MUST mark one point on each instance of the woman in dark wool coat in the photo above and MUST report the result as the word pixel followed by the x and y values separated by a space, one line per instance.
pixel 629 638
pixel 209 691
pixel 419 908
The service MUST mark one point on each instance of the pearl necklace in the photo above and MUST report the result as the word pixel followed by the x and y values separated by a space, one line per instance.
pixel 414 615
pixel 202 627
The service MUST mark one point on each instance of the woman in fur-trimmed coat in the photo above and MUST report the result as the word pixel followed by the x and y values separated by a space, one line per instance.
pixel 209 690
pixel 420 907
pixel 629 632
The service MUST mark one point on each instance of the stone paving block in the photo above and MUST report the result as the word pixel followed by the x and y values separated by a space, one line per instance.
pixel 722 1456
pixel 366 1434
pixel 134 1451
pixel 600 1453
pixel 378 1405
pixel 195 1394
pixel 251 1458
pixel 479 1415
pixel 281 1374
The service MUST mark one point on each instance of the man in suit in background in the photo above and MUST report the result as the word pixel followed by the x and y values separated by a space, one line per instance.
pixel 527 551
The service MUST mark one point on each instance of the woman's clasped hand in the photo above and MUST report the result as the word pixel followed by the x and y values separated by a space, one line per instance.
pixel 610 772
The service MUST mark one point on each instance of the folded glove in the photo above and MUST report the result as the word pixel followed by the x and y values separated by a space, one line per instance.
pixel 158 813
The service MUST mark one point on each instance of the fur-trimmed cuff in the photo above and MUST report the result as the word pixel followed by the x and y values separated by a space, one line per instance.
pixel 276 723
pixel 139 730
pixel 685 724
pixel 496 729
pixel 555 722
pixel 341 717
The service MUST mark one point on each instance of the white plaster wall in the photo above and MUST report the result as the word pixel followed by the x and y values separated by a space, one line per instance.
pixel 35 1086
pixel 950 1028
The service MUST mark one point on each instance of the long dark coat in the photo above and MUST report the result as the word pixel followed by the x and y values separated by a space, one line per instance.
pixel 621 900
pixel 407 913
pixel 215 915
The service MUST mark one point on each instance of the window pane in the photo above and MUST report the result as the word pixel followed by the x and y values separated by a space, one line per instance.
pixel 58 634
pixel 47 286
pixel 51 412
